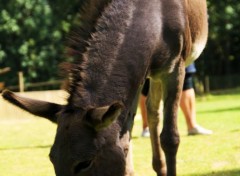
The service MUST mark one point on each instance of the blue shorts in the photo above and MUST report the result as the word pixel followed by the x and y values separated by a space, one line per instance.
pixel 188 81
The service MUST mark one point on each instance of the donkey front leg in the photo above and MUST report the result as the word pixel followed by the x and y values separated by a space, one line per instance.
pixel 153 106
pixel 129 161
pixel 172 88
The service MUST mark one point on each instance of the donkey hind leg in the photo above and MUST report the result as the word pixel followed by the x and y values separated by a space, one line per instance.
pixel 153 106
pixel 172 88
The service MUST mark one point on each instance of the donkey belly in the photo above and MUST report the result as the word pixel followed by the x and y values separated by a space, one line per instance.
pixel 197 49
pixel 198 25
pixel 140 41
pixel 171 36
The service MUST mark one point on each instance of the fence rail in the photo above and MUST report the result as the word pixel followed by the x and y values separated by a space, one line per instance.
pixel 27 86
pixel 224 82
pixel 203 85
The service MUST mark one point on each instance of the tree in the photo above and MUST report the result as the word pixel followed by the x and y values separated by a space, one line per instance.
pixel 32 34
pixel 221 55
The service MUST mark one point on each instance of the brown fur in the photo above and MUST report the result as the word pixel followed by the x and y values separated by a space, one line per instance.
pixel 116 45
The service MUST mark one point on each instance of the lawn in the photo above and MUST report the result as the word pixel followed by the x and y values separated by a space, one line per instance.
pixel 25 142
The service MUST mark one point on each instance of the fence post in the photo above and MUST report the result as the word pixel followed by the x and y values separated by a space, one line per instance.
pixel 21 81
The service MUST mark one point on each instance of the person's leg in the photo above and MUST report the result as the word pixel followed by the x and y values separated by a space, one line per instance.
pixel 187 104
pixel 143 111
pixel 143 98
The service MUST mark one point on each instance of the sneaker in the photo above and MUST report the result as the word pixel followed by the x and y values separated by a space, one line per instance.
pixel 198 130
pixel 145 132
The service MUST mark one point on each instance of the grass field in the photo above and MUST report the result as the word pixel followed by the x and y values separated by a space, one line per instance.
pixel 25 142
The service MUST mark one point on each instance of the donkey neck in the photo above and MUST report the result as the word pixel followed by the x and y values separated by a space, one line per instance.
pixel 118 55
pixel 103 78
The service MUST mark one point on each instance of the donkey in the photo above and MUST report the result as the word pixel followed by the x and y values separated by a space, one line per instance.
pixel 115 45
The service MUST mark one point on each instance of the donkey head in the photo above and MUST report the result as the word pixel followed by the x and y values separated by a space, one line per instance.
pixel 87 140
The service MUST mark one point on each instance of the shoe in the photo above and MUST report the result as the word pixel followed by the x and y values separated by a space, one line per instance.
pixel 145 132
pixel 198 130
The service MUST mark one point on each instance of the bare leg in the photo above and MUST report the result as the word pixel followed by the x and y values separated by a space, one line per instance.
pixel 153 105
pixel 143 111
pixel 145 129
pixel 187 103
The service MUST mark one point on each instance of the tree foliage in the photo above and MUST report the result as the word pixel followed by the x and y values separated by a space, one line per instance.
pixel 221 55
pixel 33 32
pixel 32 35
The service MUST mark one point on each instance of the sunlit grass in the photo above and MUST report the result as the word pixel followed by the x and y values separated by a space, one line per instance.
pixel 24 147
pixel 25 143
pixel 215 155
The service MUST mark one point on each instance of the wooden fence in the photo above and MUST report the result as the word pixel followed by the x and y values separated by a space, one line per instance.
pixel 224 82
pixel 203 85
pixel 22 86
pixel 210 84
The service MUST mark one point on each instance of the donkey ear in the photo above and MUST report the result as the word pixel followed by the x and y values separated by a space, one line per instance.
pixel 39 108
pixel 102 117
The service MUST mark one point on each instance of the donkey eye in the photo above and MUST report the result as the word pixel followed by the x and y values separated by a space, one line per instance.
pixel 82 166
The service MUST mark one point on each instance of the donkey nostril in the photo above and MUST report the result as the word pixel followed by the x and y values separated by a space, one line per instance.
pixel 82 166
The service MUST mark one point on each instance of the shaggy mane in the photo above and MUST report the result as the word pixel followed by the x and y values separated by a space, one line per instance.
pixel 84 25
pixel 77 41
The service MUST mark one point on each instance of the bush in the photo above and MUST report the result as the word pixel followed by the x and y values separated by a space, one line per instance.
pixel 32 36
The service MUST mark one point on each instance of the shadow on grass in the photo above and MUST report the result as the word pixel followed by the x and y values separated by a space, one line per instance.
pixel 234 91
pixel 136 137
pixel 220 110
pixel 234 172
pixel 26 147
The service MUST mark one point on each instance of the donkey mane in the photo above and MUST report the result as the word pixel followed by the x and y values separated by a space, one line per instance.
pixel 77 42
pixel 84 25
pixel 90 44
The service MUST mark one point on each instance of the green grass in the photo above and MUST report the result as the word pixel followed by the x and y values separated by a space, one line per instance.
pixel 25 143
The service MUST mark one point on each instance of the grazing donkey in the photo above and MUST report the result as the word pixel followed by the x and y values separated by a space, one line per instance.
pixel 116 44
